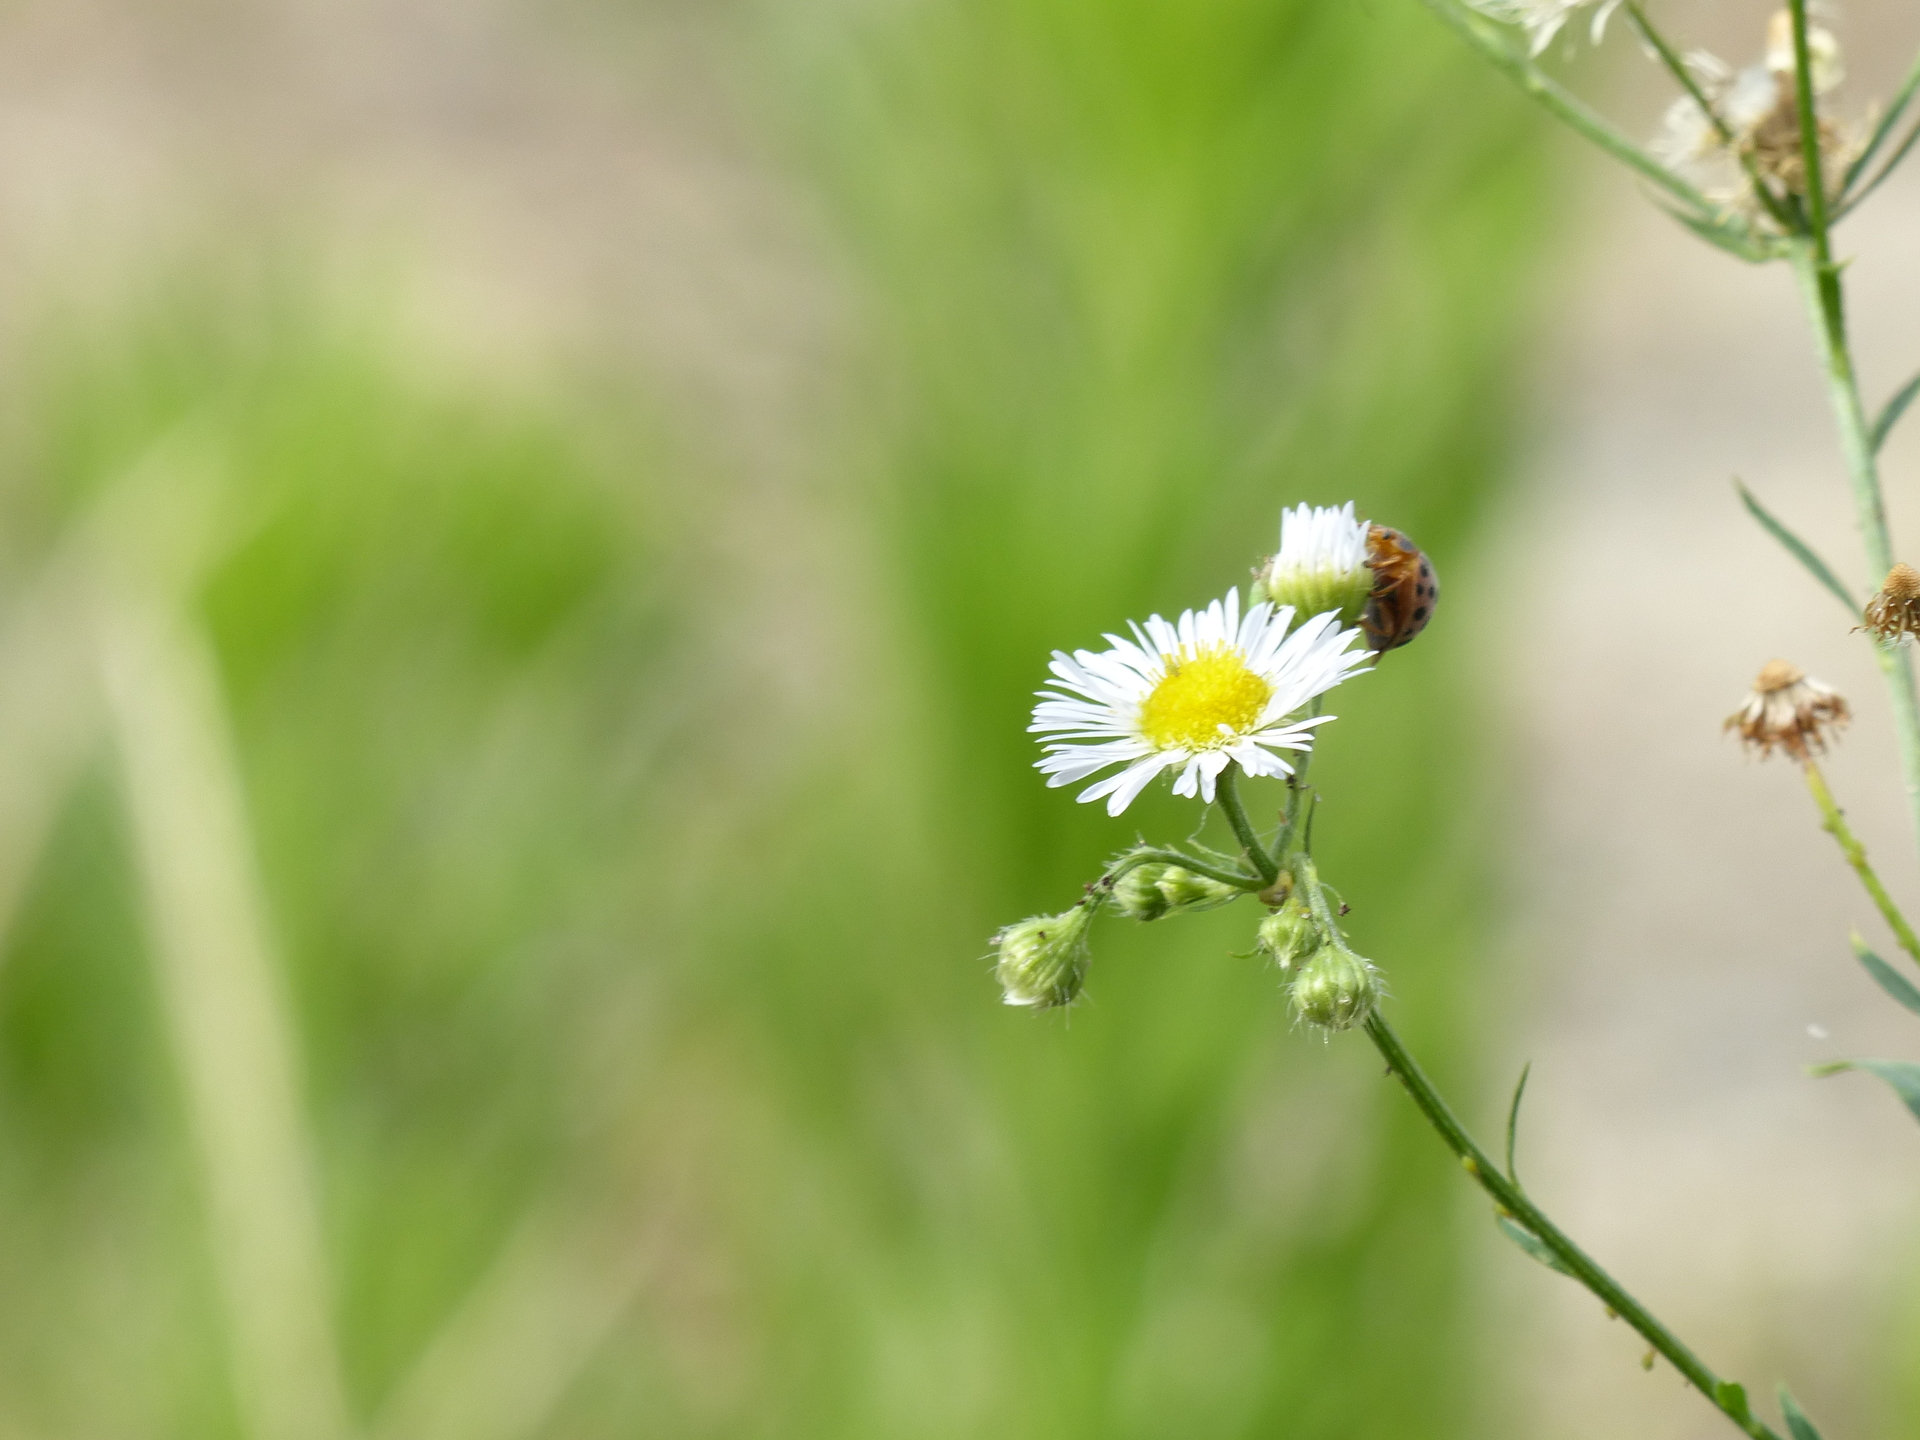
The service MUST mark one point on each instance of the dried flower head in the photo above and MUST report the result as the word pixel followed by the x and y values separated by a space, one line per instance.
pixel 1790 710
pixel 1893 614
pixel 1757 105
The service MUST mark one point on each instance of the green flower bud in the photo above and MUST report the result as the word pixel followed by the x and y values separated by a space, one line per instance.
pixel 1289 934
pixel 1187 891
pixel 1335 989
pixel 1043 961
pixel 1148 892
pixel 1137 893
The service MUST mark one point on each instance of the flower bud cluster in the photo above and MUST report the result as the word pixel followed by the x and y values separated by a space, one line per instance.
pixel 1218 694
pixel 1328 985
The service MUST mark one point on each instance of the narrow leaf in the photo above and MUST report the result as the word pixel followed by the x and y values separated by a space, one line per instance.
pixel 1797 548
pixel 1890 416
pixel 1732 1398
pixel 1513 1120
pixel 1888 122
pixel 1903 1076
pixel 1532 1244
pixel 1798 1425
pixel 1732 236
pixel 1888 978
pixel 1878 180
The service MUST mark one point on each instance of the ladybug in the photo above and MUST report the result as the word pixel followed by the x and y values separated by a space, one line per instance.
pixel 1405 590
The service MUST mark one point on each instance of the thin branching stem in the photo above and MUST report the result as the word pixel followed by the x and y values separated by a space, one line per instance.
pixel 1513 1203
pixel 1820 285
pixel 1568 108
pixel 1227 789
pixel 1133 859
pixel 1834 822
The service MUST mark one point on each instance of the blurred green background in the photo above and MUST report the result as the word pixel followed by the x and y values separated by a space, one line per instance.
pixel 503 797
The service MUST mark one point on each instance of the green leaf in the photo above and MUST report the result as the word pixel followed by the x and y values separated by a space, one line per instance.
pixel 1888 978
pixel 1733 236
pixel 1798 1425
pixel 1532 1244
pixel 1732 1398
pixel 1889 417
pixel 1797 548
pixel 1513 1120
pixel 1902 1075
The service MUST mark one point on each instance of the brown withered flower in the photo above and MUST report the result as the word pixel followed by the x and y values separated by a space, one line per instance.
pixel 1789 710
pixel 1894 613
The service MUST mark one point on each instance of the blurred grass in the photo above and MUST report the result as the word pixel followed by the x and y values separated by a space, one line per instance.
pixel 633 895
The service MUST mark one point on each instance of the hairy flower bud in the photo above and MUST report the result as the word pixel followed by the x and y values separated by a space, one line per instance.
pixel 1137 893
pixel 1335 989
pixel 1185 890
pixel 1148 892
pixel 1289 934
pixel 1043 961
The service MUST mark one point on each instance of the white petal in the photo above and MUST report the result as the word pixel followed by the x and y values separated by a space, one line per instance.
pixel 1211 764
pixel 1126 785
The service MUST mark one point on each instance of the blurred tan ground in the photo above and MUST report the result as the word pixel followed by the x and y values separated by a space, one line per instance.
pixel 1682 921
pixel 1682 940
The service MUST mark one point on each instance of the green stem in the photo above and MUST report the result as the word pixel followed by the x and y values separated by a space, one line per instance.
pixel 1133 859
pixel 1299 816
pixel 1826 303
pixel 1551 96
pixel 1809 131
pixel 1730 1400
pixel 1227 789
pixel 1835 824
pixel 1826 307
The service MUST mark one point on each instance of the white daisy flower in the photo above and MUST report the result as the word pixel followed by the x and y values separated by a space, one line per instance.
pixel 1196 696
pixel 1322 564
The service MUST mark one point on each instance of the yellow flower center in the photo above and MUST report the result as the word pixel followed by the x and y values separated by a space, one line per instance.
pixel 1206 699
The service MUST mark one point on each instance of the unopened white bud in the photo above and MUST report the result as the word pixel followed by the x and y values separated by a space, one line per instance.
pixel 1321 565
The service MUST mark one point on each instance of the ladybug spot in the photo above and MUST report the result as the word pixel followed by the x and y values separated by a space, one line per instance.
pixel 1420 613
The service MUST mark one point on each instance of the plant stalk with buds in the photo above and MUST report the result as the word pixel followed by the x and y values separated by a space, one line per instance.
pixel 1226 694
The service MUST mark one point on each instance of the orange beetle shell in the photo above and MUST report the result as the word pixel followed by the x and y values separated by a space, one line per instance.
pixel 1405 590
